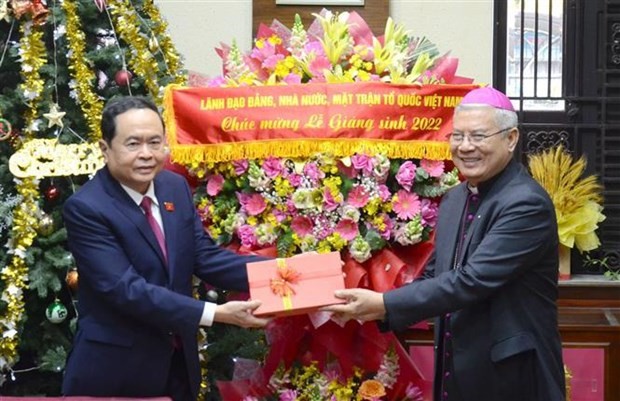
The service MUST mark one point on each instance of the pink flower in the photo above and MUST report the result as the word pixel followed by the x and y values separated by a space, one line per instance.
pixel 241 166
pixel 384 192
pixel 215 183
pixel 312 171
pixel 324 225
pixel 292 79
pixel 295 179
pixel 288 395
pixel 347 229
pixel 329 203
pixel 254 203
pixel 429 212
pixel 272 166
pixel 246 236
pixel 216 82
pixel 388 226
pixel 406 204
pixel 406 174
pixel 358 197
pixel 414 393
pixel 302 226
pixel 280 215
pixel 363 163
pixel 434 168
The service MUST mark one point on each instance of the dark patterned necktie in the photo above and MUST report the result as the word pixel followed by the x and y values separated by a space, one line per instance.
pixel 146 206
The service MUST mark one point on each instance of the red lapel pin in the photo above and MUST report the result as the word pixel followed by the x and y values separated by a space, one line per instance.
pixel 169 206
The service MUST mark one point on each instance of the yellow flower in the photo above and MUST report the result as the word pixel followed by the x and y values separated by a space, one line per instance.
pixel 323 246
pixel 378 222
pixel 283 187
pixel 337 242
pixel 215 231
pixel 372 206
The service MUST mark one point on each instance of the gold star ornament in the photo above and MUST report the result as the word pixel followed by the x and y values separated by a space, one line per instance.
pixel 54 117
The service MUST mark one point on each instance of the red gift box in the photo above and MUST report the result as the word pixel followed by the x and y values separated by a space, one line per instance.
pixel 297 285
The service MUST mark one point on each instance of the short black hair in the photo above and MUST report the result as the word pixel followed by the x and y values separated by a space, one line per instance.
pixel 119 105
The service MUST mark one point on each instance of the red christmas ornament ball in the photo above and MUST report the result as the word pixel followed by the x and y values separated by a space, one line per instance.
pixel 123 78
pixel 51 193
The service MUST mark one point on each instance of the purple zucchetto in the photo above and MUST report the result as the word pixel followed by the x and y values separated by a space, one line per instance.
pixel 489 96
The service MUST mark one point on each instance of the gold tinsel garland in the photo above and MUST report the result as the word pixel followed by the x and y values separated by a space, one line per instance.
pixel 33 57
pixel 25 222
pixel 171 56
pixel 83 75
pixel 15 274
pixel 141 62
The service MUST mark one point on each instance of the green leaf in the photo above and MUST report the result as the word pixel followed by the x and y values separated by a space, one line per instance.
pixel 54 359
pixel 284 243
pixel 42 278
pixel 375 240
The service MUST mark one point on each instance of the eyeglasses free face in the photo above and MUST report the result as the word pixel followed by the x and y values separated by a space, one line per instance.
pixel 134 145
pixel 457 138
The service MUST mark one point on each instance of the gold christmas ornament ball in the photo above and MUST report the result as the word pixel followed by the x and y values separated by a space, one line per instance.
pixel 72 279
pixel 46 225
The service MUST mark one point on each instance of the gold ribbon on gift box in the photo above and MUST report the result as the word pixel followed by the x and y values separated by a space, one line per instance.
pixel 282 285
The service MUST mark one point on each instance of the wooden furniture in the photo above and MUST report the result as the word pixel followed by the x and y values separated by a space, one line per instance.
pixel 374 12
pixel 589 319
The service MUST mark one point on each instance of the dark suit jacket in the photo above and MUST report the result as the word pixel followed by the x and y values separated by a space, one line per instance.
pixel 130 302
pixel 502 301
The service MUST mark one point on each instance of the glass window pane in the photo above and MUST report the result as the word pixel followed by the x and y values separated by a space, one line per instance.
pixel 534 53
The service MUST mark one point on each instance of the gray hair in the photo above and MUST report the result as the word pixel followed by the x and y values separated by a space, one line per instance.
pixel 504 119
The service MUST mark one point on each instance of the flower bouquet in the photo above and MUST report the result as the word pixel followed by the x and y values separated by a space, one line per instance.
pixel 378 211
pixel 358 204
pixel 353 362
pixel 335 48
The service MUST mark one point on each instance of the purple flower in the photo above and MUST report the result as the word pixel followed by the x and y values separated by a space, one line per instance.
pixel 280 215
pixel 295 179
pixel 406 174
pixel 363 163
pixel 241 166
pixel 288 395
pixel 312 171
pixel 429 212
pixel 246 236
pixel 387 226
pixel 384 192
pixel 272 166
pixel 414 393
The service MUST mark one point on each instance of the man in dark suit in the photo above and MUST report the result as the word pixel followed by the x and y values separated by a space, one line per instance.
pixel 491 281
pixel 137 240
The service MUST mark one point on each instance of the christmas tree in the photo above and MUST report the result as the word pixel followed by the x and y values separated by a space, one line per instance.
pixel 60 61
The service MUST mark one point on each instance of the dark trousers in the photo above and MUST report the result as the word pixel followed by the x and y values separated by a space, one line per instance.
pixel 178 387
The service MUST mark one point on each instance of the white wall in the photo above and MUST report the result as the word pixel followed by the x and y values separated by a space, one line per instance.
pixel 463 26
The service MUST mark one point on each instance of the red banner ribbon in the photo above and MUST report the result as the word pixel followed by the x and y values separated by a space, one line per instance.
pixel 224 124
